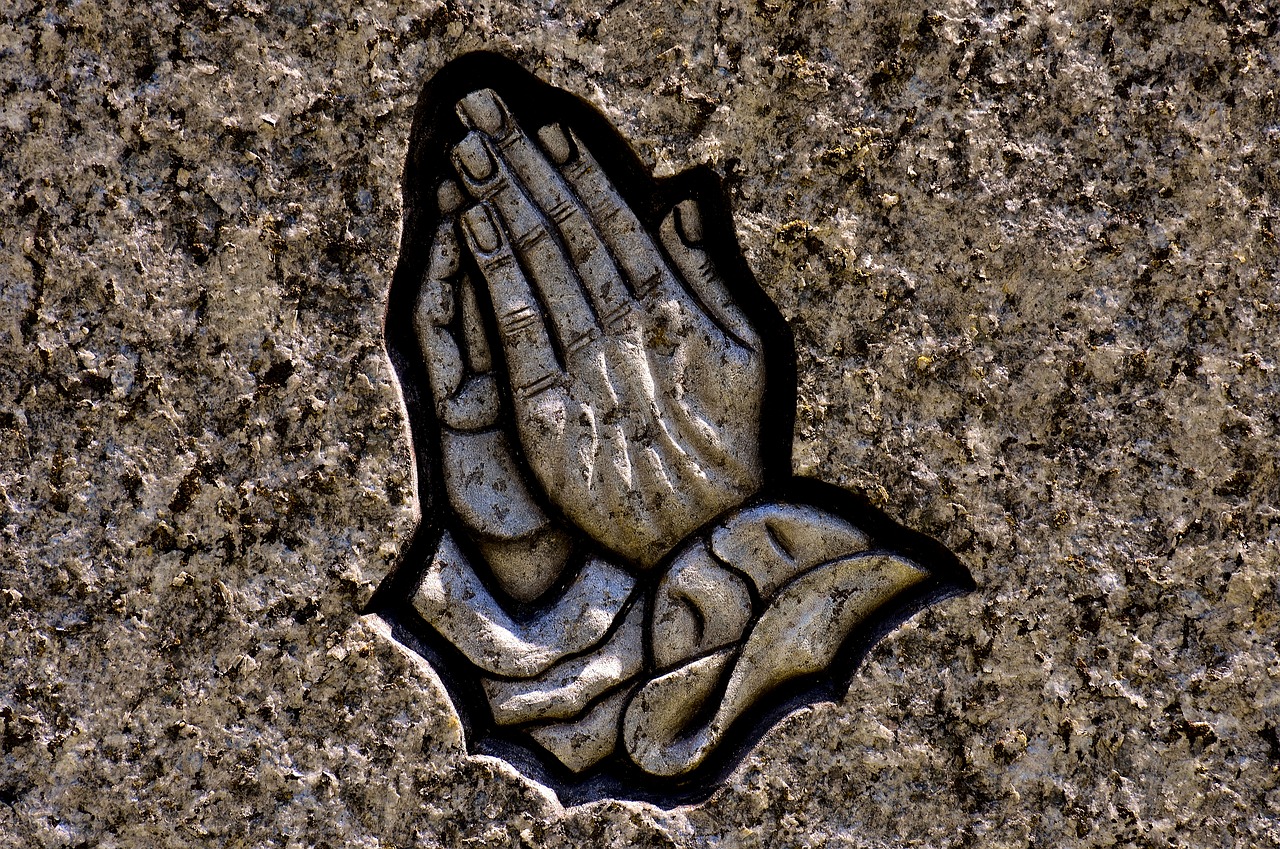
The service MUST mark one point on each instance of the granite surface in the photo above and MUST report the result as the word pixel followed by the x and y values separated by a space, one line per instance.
pixel 1028 253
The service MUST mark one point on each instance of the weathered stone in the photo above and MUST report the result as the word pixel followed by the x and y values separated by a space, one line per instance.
pixel 1027 252
pixel 798 634
pixel 583 742
pixel 775 542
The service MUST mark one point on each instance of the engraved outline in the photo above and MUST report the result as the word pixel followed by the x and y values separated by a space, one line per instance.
pixel 434 131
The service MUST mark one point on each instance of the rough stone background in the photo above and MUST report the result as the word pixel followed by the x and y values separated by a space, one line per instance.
pixel 1028 251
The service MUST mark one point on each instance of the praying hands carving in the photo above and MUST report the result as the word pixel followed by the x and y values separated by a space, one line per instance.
pixel 616 573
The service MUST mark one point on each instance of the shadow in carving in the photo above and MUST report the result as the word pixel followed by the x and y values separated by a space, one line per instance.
pixel 617 576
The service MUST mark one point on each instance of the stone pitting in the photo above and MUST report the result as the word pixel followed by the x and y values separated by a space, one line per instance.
pixel 1027 251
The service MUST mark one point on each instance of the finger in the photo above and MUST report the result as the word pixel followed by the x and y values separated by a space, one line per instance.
pixel 484 111
pixel 637 256
pixel 435 299
pixel 432 313
pixel 488 178
pixel 468 405
pixel 682 237
pixel 485 486
pixel 449 197
pixel 599 273
pixel 523 550
pixel 463 405
pixel 473 332
pixel 476 403
pixel 474 406
pixel 522 327
pixel 528 567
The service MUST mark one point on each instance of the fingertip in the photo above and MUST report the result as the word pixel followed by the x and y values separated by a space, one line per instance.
pixel 449 197
pixel 483 110
pixel 472 156
pixel 481 229
pixel 556 143
pixel 445 257
pixel 689 221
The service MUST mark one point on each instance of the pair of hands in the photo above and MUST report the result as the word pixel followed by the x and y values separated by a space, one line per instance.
pixel 577 360
pixel 599 398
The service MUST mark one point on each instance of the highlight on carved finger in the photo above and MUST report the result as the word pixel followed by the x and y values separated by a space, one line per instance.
pixel 445 256
pixel 483 110
pixel 444 362
pixel 532 364
pixel 435 297
pixel 483 481
pixel 574 275
pixel 471 156
pixel 480 225
pixel 556 143
pixel 689 220
pixel 552 274
pixel 682 234
pixel 449 197
pixel 435 302
pixel 627 238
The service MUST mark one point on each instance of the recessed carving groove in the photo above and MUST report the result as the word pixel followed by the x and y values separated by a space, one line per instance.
pixel 617 575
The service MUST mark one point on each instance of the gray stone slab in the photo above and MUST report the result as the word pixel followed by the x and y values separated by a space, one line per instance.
pixel 1028 256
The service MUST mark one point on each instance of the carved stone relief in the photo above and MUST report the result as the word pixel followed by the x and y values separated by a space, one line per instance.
pixel 616 573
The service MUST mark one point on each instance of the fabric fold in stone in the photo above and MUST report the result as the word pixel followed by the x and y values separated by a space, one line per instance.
pixel 565 689
pixel 454 601
pixel 799 633
pixel 582 742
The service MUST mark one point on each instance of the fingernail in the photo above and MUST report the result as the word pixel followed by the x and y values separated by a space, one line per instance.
pixel 448 197
pixel 689 220
pixel 482 110
pixel 474 158
pixel 555 143
pixel 480 225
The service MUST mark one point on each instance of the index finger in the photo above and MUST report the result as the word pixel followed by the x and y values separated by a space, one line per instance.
pixel 522 327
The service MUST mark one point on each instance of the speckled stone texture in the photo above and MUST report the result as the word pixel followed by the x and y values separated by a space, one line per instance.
pixel 1028 252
